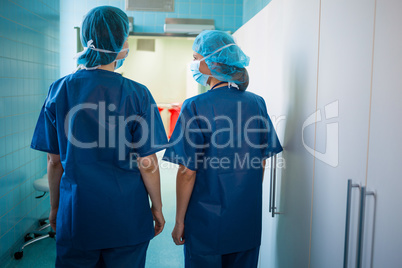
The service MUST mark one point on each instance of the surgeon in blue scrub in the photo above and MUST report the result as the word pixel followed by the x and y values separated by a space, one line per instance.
pixel 221 141
pixel 101 132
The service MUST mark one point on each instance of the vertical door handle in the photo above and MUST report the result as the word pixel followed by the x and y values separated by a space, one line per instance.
pixel 374 195
pixel 273 187
pixel 273 169
pixel 361 227
pixel 347 223
pixel 270 183
pixel 364 194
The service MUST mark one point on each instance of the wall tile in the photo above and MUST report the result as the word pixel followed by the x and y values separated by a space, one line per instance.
pixel 195 10
pixel 228 20
pixel 182 9
pixel 2 153
pixel 29 62
pixel 149 20
pixel 252 7
pixel 229 10
pixel 2 127
pixel 5 240
pixel 206 8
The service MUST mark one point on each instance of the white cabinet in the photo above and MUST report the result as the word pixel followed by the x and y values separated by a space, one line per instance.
pixel 346 41
pixel 300 57
pixel 265 51
pixel 385 147
pixel 282 43
pixel 337 108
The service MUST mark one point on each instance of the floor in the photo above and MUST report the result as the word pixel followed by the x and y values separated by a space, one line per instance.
pixel 162 252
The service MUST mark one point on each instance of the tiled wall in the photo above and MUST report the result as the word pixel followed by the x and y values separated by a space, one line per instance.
pixel 29 63
pixel 226 13
pixel 252 7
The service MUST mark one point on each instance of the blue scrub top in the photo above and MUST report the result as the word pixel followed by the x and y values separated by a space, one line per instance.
pixel 223 134
pixel 88 118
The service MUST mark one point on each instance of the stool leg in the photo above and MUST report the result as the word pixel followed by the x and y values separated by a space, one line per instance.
pixel 44 227
pixel 39 234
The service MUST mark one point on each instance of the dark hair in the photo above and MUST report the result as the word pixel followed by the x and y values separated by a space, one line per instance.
pixel 240 75
pixel 108 28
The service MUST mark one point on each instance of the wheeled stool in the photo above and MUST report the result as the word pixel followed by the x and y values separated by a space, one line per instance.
pixel 41 185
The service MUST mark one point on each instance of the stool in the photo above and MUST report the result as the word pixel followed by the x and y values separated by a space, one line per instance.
pixel 41 185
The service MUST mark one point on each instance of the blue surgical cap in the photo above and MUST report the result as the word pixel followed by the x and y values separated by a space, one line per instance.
pixel 104 28
pixel 228 62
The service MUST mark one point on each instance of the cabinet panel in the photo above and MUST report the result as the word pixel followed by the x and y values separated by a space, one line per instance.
pixel 300 52
pixel 384 166
pixel 342 134
pixel 262 40
pixel 282 43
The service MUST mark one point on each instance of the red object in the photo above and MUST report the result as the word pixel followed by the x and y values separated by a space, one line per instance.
pixel 160 109
pixel 174 115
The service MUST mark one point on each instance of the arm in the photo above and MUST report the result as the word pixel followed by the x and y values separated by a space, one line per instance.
pixel 149 170
pixel 54 172
pixel 184 188
pixel 264 162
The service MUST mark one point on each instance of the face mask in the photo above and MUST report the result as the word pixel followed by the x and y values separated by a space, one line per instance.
pixel 197 75
pixel 120 62
pixel 195 67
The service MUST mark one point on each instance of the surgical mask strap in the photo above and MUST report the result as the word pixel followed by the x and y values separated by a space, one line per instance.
pixel 216 51
pixel 90 45
pixel 82 66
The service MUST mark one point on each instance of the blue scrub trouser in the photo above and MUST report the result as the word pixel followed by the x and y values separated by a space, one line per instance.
pixel 130 256
pixel 243 259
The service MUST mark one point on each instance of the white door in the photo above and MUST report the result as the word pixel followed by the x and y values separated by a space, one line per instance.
pixel 346 41
pixel 261 39
pixel 384 165
pixel 282 42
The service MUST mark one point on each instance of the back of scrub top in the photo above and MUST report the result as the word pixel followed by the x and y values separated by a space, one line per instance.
pixel 224 135
pixel 99 123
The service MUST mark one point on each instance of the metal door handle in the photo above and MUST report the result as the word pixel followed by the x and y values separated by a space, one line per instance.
pixel 270 184
pixel 347 224
pixel 364 194
pixel 272 205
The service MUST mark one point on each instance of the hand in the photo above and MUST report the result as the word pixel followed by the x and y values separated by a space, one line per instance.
pixel 159 220
pixel 178 234
pixel 52 218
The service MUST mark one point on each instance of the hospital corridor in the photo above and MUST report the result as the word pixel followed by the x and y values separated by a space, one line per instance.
pixel 200 133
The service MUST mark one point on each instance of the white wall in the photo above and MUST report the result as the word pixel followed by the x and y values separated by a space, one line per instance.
pixel 282 43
